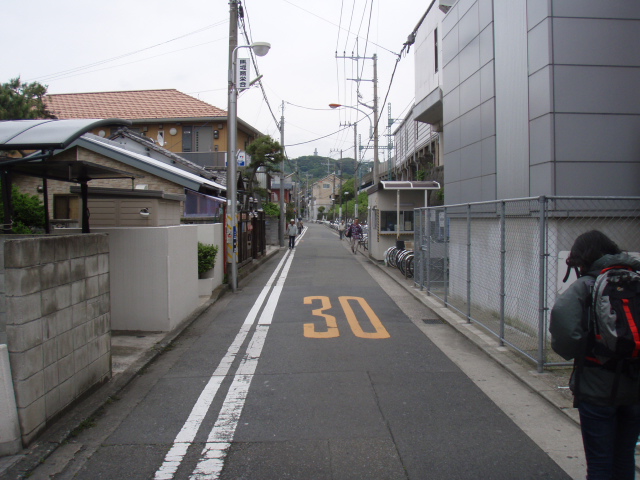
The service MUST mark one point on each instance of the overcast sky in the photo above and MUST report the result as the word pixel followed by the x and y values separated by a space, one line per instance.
pixel 74 46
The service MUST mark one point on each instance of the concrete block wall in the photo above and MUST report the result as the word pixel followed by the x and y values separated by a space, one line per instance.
pixel 58 322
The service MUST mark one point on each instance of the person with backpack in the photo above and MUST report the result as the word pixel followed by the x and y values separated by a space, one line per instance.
pixel 596 322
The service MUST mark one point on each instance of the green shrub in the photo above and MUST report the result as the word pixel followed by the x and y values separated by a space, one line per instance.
pixel 206 257
pixel 271 209
pixel 28 212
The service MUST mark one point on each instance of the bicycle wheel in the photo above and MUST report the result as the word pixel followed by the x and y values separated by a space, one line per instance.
pixel 392 257
pixel 400 261
pixel 403 261
pixel 399 253
pixel 410 265
pixel 387 255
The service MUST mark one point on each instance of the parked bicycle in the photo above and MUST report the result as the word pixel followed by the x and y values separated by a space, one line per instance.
pixel 401 259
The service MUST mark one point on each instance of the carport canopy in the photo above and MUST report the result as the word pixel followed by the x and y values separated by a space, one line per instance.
pixel 410 185
pixel 48 136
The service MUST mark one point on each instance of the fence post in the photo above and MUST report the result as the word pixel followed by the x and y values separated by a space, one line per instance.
pixel 542 281
pixel 445 272
pixel 503 266
pixel 417 248
pixel 468 263
pixel 428 259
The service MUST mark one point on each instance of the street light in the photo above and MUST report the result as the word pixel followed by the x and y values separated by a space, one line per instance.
pixel 260 49
pixel 337 105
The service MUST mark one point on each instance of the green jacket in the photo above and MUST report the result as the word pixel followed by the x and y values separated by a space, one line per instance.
pixel 568 327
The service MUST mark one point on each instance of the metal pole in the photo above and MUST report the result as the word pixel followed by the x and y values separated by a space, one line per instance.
pixel 356 179
pixel 445 262
pixel 417 249
pixel 282 208
pixel 376 168
pixel 503 267
pixel 468 263
pixel 542 274
pixel 232 140
pixel 428 257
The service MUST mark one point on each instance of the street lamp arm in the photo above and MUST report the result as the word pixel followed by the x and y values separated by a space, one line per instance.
pixel 337 105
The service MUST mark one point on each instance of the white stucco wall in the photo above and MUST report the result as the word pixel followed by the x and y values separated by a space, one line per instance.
pixel 154 276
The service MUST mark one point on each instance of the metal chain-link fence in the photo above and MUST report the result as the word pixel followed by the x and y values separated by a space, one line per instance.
pixel 501 264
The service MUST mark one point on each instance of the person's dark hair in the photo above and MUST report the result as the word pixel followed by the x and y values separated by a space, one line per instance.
pixel 589 247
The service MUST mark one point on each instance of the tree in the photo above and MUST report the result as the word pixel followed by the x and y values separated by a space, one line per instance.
pixel 22 101
pixel 266 155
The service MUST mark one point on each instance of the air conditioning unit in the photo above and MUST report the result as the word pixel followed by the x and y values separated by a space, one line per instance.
pixel 445 5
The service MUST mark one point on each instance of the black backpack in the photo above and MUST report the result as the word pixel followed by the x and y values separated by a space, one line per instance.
pixel 614 325
pixel 615 315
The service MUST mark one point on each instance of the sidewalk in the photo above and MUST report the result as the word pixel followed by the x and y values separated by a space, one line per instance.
pixel 132 351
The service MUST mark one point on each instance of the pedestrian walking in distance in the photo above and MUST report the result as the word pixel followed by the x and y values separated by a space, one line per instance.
pixel 300 226
pixel 341 228
pixel 292 231
pixel 603 303
pixel 355 231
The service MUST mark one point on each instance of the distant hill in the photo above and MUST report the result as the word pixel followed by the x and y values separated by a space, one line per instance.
pixel 319 167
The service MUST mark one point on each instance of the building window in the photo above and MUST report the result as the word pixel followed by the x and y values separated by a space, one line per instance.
pixel 389 220
pixel 435 49
pixel 326 185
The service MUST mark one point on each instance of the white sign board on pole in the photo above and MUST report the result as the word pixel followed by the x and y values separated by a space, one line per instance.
pixel 242 158
pixel 242 74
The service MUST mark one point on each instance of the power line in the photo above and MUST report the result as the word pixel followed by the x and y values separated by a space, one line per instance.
pixel 64 73
pixel 255 64
pixel 316 139
pixel 331 23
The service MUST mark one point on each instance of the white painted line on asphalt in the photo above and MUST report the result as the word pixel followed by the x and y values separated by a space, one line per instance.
pixel 185 437
pixel 215 450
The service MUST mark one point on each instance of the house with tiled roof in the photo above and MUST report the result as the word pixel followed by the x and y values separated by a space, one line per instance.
pixel 176 121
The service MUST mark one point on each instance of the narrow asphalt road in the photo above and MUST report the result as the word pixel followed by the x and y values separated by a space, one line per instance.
pixel 315 369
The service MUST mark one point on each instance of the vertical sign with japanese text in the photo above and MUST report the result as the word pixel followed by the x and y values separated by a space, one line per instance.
pixel 242 74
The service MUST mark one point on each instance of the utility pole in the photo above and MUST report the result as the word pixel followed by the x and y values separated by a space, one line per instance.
pixel 376 163
pixel 232 216
pixel 340 173
pixel 356 180
pixel 389 141
pixel 376 173
pixel 282 208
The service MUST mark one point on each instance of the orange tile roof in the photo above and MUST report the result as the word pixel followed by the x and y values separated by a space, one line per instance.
pixel 130 105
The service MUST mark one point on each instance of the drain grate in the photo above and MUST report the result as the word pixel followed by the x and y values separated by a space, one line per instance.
pixel 432 321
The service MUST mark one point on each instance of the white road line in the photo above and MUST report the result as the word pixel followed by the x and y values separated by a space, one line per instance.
pixel 185 437
pixel 215 450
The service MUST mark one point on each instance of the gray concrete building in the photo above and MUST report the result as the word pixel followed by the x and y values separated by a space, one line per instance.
pixel 539 97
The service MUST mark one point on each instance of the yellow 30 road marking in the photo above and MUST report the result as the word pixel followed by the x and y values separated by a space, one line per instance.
pixel 380 332
pixel 332 326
